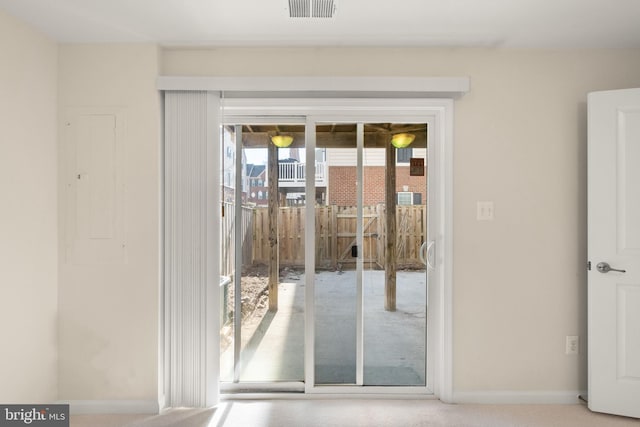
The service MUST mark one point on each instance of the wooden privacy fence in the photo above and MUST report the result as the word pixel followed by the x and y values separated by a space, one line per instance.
pixel 336 235
pixel 228 230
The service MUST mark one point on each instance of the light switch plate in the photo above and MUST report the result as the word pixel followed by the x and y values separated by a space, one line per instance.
pixel 485 211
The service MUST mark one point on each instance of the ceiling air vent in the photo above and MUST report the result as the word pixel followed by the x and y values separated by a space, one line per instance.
pixel 311 8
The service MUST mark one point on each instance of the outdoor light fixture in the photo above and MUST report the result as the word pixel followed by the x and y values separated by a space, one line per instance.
pixel 282 141
pixel 402 140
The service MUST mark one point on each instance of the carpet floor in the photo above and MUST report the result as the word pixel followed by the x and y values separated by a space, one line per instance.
pixel 361 412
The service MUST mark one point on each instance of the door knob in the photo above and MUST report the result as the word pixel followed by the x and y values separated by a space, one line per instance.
pixel 604 267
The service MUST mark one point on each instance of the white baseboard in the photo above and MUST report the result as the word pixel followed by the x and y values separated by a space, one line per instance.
pixel 112 406
pixel 518 397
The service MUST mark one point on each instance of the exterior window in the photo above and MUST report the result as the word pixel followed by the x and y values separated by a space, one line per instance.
pixel 259 195
pixel 403 155
pixel 405 198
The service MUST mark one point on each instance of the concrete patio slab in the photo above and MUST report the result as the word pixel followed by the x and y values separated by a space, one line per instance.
pixel 394 342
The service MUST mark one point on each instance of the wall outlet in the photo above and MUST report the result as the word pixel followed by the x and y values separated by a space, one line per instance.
pixel 572 345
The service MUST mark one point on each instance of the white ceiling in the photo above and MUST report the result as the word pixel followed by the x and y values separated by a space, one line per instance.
pixel 487 23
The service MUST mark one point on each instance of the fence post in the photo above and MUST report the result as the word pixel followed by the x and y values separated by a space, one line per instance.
pixel 333 222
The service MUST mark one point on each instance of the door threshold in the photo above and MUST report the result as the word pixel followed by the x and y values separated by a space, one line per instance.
pixel 226 397
pixel 297 390
pixel 261 387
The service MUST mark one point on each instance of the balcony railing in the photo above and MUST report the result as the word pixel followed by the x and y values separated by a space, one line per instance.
pixel 294 174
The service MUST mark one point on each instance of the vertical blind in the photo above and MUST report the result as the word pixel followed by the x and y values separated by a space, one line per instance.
pixel 191 232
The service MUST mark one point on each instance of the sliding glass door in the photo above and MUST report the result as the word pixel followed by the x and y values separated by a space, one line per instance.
pixel 370 282
pixel 336 280
pixel 394 277
pixel 262 291
pixel 325 249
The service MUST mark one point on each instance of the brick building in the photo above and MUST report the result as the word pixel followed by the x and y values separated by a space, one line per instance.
pixel 258 190
pixel 341 189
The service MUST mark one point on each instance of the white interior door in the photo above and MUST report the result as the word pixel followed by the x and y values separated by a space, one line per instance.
pixel 614 252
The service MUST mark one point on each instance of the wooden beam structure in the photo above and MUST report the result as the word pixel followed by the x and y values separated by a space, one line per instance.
pixel 331 140
pixel 274 202
pixel 333 135
pixel 390 225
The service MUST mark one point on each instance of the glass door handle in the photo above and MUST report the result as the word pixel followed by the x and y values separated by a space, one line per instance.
pixel 430 246
pixel 425 252
pixel 422 253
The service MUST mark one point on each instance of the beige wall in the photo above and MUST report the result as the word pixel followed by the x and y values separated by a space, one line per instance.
pixel 520 140
pixel 109 310
pixel 28 229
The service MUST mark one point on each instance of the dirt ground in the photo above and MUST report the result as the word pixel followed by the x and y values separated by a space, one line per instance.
pixel 255 292
pixel 255 297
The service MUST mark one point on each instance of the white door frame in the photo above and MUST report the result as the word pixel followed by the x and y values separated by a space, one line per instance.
pixel 409 93
pixel 438 113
